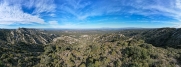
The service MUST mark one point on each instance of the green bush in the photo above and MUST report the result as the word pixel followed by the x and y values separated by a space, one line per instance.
pixel 136 53
pixel 46 60
pixel 1 64
pixel 147 46
pixel 49 49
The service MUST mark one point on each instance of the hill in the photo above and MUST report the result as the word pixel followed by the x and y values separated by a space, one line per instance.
pixel 25 35
pixel 90 48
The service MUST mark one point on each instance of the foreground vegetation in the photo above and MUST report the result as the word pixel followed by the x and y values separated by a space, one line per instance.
pixel 125 48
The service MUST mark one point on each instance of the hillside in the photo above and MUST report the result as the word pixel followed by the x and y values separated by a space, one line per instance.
pixel 168 37
pixel 161 37
pixel 90 48
pixel 25 35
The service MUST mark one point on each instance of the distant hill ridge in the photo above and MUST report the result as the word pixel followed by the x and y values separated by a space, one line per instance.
pixel 163 37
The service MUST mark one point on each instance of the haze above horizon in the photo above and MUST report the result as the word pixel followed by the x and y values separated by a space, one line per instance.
pixel 90 13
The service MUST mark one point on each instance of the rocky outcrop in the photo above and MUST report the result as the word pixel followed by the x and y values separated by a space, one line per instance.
pixel 29 36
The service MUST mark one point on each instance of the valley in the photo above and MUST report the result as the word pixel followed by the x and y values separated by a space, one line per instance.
pixel 25 47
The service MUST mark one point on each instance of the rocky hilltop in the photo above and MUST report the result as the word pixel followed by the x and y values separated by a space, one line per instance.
pixel 25 35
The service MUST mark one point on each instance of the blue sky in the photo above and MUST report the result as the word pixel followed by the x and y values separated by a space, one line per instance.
pixel 90 13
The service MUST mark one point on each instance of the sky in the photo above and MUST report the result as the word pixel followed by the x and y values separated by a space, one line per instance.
pixel 90 13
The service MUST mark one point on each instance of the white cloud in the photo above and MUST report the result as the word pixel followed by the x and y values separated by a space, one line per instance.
pixel 44 6
pixel 81 9
pixel 168 8
pixel 11 11
pixel 52 15
pixel 76 7
pixel 173 11
pixel 53 22
pixel 14 14
pixel 38 6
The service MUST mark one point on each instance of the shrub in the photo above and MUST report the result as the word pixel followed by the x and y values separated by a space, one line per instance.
pixel 45 60
pixel 147 46
pixel 49 49
pixel 82 65
pixel 1 64
pixel 136 52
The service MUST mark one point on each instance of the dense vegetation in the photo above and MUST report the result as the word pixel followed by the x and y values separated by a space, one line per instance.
pixel 95 48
